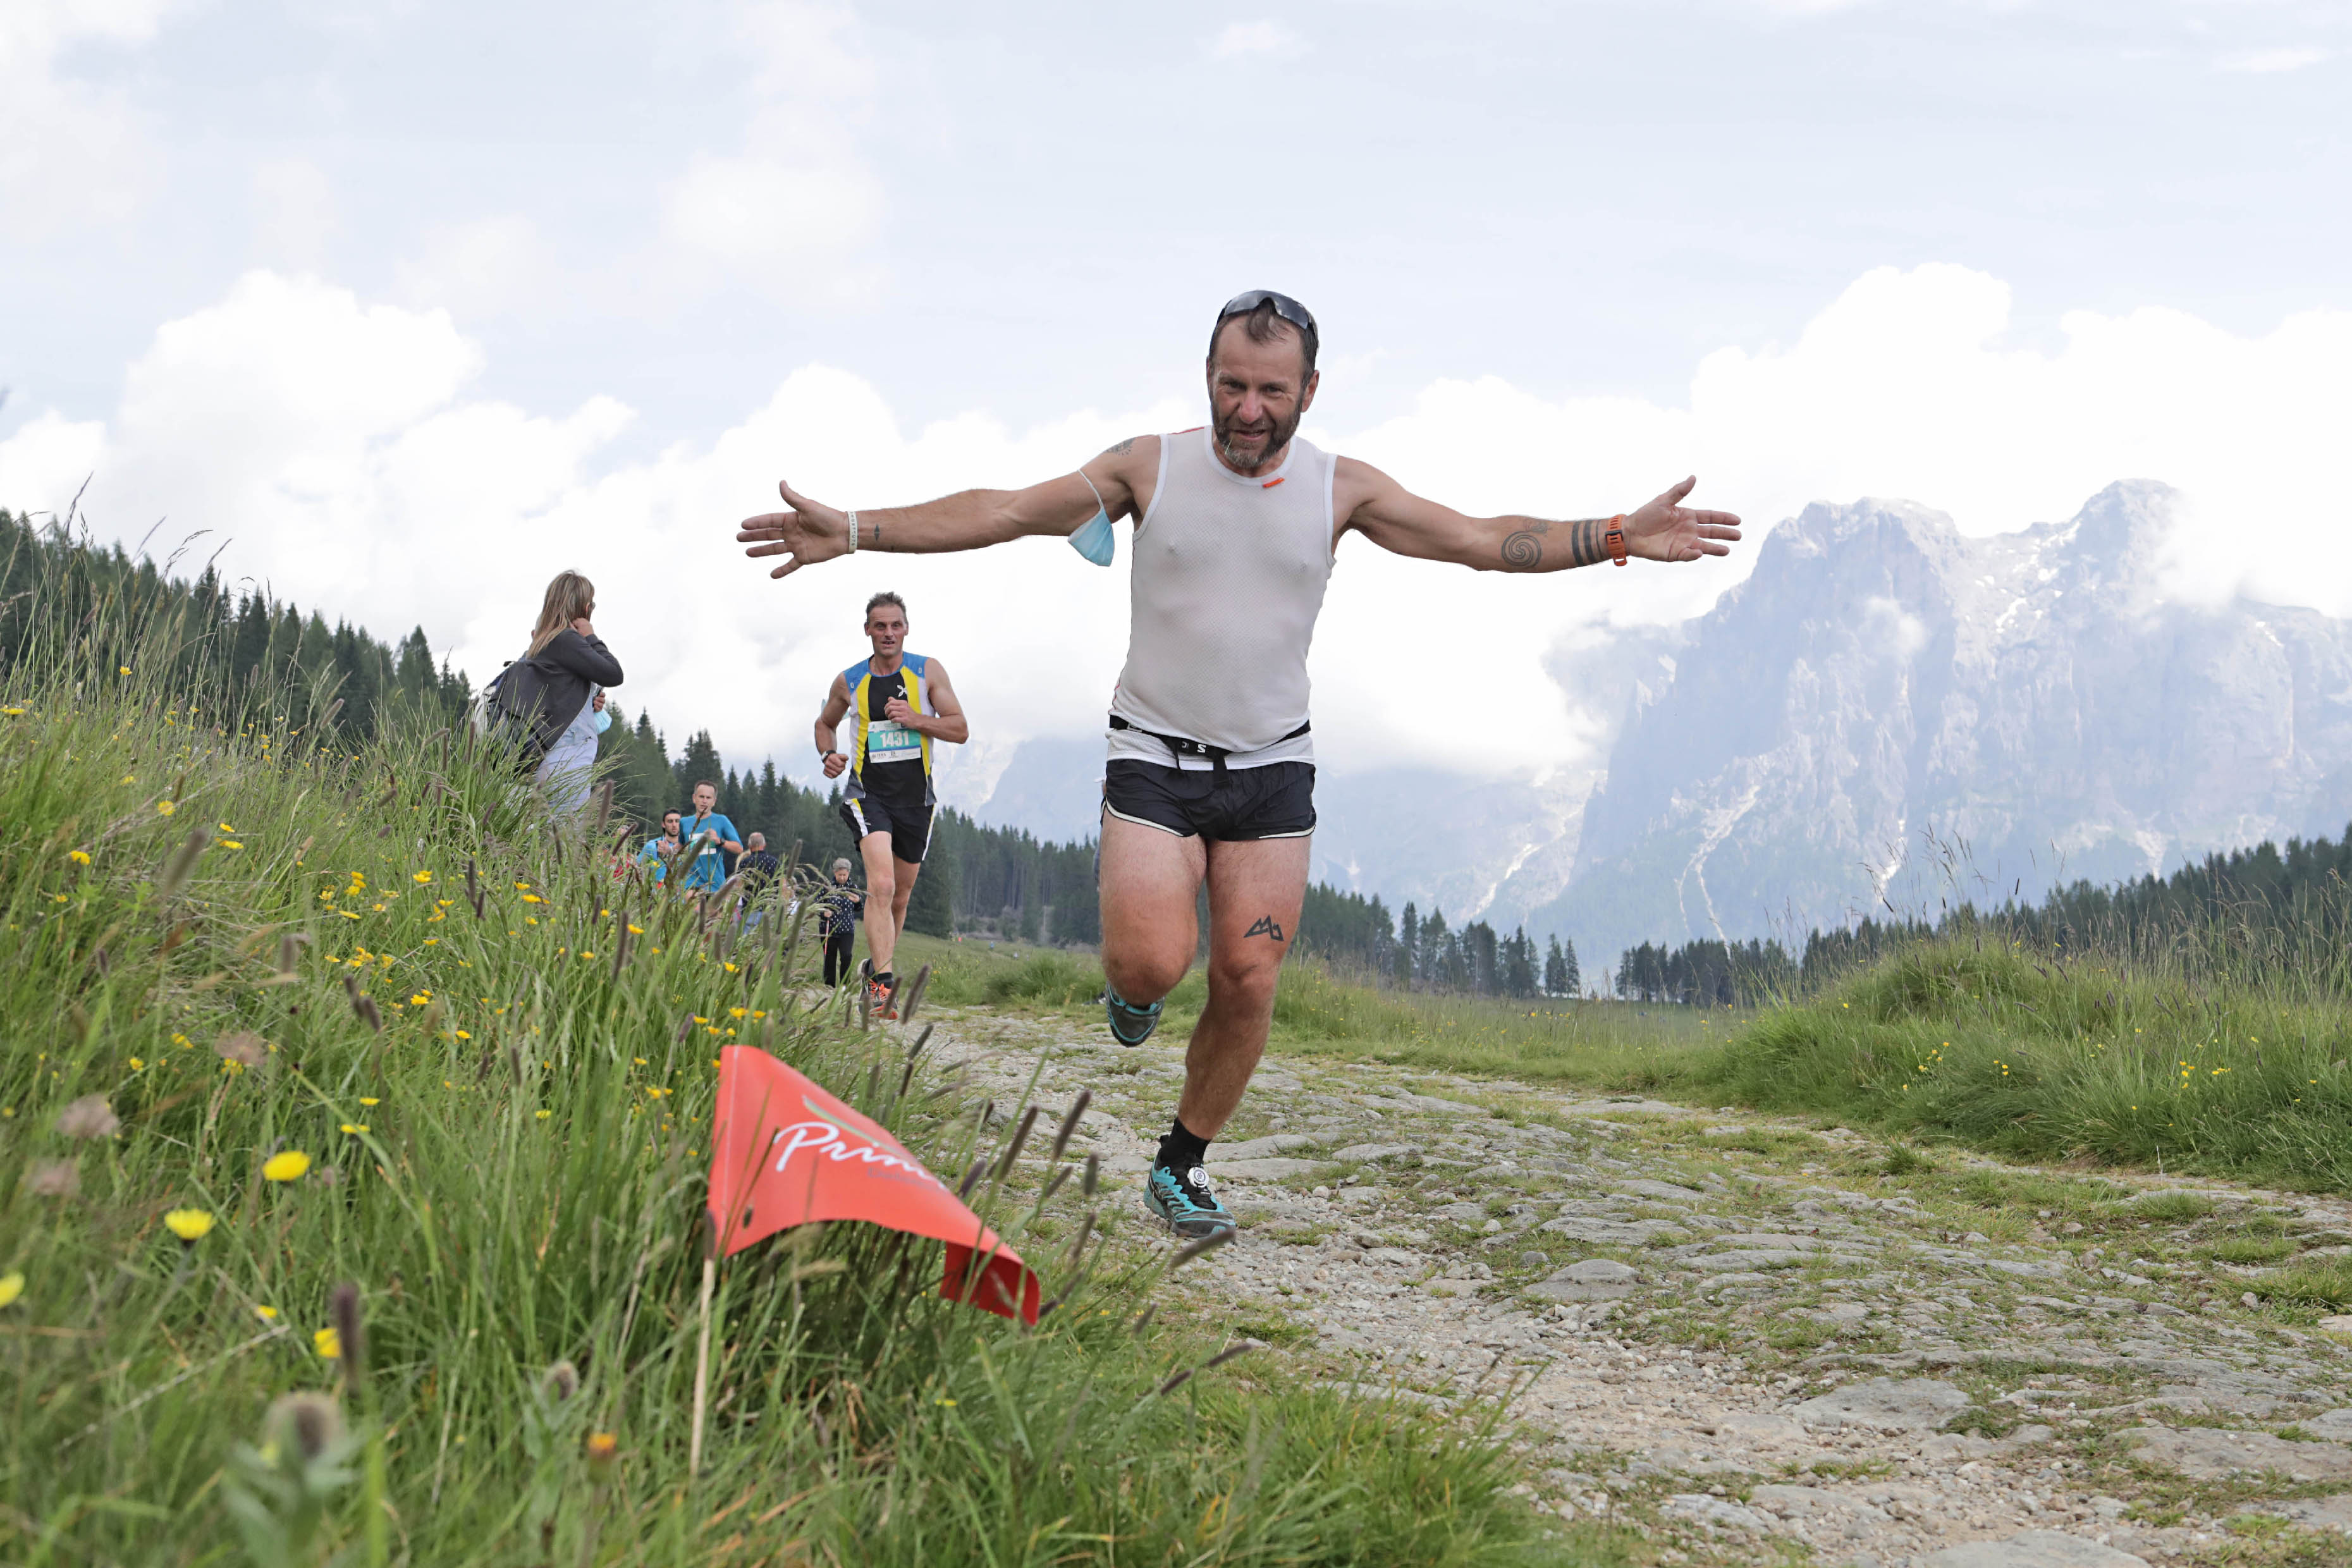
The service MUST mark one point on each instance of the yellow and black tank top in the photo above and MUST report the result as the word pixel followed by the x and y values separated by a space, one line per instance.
pixel 889 759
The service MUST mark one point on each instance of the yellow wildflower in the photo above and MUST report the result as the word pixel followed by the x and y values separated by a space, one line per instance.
pixel 79 857
pixel 167 807
pixel 355 1127
pixel 328 1343
pixel 422 878
pixel 285 1166
pixel 12 1284
pixel 266 1314
pixel 189 1225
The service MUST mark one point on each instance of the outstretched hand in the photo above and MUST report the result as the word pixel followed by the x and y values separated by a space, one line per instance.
pixel 1666 530
pixel 807 534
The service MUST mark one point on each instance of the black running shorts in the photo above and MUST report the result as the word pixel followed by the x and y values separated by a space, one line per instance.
pixel 1277 801
pixel 909 824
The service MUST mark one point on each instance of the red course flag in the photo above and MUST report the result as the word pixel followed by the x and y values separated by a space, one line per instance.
pixel 784 1153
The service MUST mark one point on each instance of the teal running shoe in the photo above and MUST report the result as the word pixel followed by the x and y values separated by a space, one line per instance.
pixel 1183 1201
pixel 1130 1025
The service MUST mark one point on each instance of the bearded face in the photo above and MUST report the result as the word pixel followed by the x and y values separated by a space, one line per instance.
pixel 1247 443
pixel 1259 393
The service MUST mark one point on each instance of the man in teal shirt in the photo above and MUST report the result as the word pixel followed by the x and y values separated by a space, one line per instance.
pixel 658 851
pixel 715 837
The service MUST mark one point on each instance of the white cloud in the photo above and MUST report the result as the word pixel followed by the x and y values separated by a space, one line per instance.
pixel 337 442
pixel 293 213
pixel 759 214
pixel 46 462
pixel 2267 62
pixel 70 152
pixel 1257 41
pixel 795 209
pixel 1806 7
pixel 476 269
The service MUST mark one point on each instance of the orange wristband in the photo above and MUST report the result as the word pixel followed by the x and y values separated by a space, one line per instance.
pixel 1615 539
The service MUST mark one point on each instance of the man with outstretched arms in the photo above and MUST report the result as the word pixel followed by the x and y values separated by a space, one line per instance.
pixel 1212 770
pixel 900 703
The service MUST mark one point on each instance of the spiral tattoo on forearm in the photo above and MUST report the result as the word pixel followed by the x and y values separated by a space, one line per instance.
pixel 1523 550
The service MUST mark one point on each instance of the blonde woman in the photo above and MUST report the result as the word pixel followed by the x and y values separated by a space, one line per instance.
pixel 557 689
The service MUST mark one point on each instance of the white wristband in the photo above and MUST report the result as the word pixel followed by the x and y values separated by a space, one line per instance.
pixel 852 533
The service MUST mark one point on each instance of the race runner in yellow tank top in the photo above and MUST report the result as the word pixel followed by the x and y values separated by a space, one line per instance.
pixel 1214 779
pixel 902 702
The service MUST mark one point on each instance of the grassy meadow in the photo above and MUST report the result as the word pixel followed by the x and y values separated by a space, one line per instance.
pixel 350 1180
pixel 2083 1058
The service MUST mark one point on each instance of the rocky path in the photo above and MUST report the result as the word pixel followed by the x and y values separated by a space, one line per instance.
pixel 1753 1340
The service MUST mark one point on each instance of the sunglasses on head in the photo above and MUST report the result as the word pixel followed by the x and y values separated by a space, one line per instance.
pixel 1288 308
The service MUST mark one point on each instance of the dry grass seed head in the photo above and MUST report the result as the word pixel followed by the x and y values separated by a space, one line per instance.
pixel 244 1047
pixel 89 1117
pixel 54 1179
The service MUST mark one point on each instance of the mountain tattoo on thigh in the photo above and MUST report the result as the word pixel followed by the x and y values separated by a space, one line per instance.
pixel 1265 927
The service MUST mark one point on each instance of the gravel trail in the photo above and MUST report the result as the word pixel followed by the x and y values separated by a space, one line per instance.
pixel 1751 1340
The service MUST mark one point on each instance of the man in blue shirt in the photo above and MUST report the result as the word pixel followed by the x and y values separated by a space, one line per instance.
pixel 716 838
pixel 658 851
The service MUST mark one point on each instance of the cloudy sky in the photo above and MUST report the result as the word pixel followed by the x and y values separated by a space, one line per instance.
pixel 411 304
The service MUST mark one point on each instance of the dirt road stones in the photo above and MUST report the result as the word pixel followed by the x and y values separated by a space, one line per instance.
pixel 1695 1388
pixel 1747 1252
pixel 1593 1280
pixel 1714 1513
pixel 1407 1100
pixel 1373 1153
pixel 2207 1453
pixel 1885 1405
pixel 1666 1190
pixel 1624 1105
pixel 1266 1158
pixel 2319 1513
pixel 2034 1549
pixel 1614 1232
pixel 1960 1447
pixel 1261 1148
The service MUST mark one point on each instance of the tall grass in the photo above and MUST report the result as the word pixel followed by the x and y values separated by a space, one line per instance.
pixel 229 942
pixel 2014 1051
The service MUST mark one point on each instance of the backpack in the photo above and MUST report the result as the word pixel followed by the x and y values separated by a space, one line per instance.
pixel 507 708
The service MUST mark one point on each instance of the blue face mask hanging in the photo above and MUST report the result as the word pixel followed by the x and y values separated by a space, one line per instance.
pixel 1095 537
pixel 604 719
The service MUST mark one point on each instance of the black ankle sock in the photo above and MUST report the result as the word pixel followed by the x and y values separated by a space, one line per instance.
pixel 1181 1148
pixel 885 980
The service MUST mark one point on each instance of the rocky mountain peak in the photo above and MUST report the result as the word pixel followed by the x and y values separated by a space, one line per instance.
pixel 2027 703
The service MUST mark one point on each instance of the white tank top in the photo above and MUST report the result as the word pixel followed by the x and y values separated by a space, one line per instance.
pixel 1227 580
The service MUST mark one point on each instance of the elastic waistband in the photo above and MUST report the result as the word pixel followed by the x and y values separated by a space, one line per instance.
pixel 1185 746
